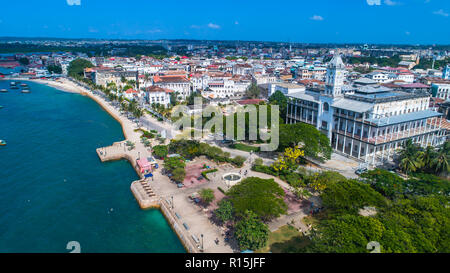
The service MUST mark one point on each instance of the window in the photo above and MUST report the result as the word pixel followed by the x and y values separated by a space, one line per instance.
pixel 326 107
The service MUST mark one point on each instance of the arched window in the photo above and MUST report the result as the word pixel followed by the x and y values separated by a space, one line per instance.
pixel 326 107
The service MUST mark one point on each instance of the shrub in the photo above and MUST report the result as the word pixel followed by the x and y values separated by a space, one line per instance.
pixel 204 173
pixel 160 151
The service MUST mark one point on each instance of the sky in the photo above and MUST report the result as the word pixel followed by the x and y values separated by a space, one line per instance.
pixel 305 21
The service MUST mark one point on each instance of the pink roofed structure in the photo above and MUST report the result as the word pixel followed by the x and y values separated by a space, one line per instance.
pixel 144 165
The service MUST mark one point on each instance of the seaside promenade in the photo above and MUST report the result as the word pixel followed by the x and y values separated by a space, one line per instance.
pixel 188 220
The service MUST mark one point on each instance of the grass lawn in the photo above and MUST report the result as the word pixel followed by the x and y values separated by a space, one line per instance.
pixel 286 239
pixel 243 147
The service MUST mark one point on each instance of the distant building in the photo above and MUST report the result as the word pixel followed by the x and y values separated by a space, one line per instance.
pixel 446 72
pixel 179 84
pixel 441 90
pixel 285 88
pixel 156 94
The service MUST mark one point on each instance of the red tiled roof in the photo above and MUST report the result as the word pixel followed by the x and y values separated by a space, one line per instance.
pixel 155 88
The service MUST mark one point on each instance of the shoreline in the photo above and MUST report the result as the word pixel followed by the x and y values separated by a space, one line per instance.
pixel 66 85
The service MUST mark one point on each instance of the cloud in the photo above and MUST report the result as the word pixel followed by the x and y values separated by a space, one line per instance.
pixel 151 31
pixel 317 18
pixel 236 22
pixel 92 30
pixel 390 3
pixel 407 32
pixel 73 2
pixel 195 26
pixel 373 2
pixel 214 26
pixel 441 12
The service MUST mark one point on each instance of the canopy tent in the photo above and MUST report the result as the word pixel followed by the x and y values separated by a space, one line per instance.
pixel 144 165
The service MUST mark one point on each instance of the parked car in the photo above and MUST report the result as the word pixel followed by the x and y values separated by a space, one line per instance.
pixel 360 171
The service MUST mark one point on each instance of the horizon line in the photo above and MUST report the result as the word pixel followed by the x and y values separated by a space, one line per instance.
pixel 225 40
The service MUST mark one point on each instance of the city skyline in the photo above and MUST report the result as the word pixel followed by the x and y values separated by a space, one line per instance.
pixel 355 21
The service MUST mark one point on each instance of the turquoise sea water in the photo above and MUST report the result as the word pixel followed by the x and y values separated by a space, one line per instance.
pixel 53 187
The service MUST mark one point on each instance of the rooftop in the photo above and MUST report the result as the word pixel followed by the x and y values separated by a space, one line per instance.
pixel 404 117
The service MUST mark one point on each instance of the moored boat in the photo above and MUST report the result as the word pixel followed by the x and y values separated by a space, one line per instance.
pixel 26 91
pixel 3 90
pixel 2 142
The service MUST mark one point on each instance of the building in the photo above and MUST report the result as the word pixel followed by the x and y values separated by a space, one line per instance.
pixel 180 84
pixel 104 76
pixel 156 94
pixel 367 123
pixel 285 88
pixel 446 72
pixel 440 90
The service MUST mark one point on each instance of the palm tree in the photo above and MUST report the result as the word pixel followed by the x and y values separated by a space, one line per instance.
pixel 441 164
pixel 411 157
pixel 428 157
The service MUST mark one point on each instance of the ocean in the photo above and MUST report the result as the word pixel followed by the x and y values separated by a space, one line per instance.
pixel 53 187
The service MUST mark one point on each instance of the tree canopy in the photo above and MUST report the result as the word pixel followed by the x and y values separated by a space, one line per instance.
pixel 77 66
pixel 315 144
pixel 262 196
pixel 278 98
pixel 253 91
pixel 250 232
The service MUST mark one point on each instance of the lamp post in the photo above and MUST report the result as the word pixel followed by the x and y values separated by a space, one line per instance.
pixel 203 249
pixel 172 201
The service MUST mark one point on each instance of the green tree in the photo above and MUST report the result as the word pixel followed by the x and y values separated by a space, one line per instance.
pixel 410 157
pixel 179 174
pixel 174 162
pixel 441 162
pixel 207 195
pixel 77 66
pixel 346 234
pixel 278 98
pixel 56 69
pixel 350 196
pixel 315 144
pixel 385 182
pixel 24 61
pixel 251 232
pixel 252 91
pixel 160 151
pixel 262 196
pixel 225 210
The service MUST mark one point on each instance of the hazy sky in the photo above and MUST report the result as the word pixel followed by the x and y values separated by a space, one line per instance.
pixel 361 21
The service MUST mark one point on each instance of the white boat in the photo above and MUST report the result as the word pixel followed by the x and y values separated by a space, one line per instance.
pixel 3 90
pixel 26 91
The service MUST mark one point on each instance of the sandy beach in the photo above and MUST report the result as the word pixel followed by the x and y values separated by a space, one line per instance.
pixel 62 84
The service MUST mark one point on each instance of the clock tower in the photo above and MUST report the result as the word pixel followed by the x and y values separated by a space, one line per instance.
pixel 335 77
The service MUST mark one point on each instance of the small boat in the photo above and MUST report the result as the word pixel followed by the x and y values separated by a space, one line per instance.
pixel 3 90
pixel 26 91
pixel 2 142
pixel 24 85
pixel 14 87
pixel 1 106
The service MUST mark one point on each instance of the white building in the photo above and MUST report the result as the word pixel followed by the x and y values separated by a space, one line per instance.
pixel 156 94
pixel 180 84
pixel 368 124
pixel 285 88
pixel 441 90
